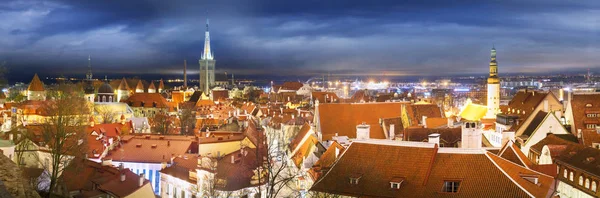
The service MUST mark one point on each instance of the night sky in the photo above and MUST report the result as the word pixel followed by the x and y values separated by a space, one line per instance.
pixel 299 38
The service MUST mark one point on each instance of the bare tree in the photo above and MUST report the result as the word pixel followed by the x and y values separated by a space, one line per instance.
pixel 161 123
pixel 187 118
pixel 107 115
pixel 275 172
pixel 63 131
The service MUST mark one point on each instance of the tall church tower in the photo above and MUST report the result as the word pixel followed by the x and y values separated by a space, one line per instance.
pixel 89 82
pixel 493 88
pixel 207 65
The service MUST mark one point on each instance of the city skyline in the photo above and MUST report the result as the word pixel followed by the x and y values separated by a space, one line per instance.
pixel 300 38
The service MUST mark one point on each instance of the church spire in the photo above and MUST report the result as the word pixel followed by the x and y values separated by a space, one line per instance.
pixel 88 75
pixel 207 54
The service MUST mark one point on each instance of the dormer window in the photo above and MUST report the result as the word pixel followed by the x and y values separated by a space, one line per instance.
pixel 354 179
pixel 531 178
pixel 395 183
pixel 451 186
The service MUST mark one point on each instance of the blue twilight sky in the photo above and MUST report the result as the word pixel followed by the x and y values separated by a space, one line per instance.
pixel 303 38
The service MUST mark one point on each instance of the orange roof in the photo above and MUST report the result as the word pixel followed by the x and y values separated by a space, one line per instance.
pixel 139 85
pixel 151 149
pixel 147 100
pixel 326 160
pixel 304 131
pixel 177 96
pixel 123 85
pixel 161 84
pixel 291 86
pixel 152 86
pixel 343 118
pixel 325 97
pixel 423 171
pixel 304 150
pixel 36 84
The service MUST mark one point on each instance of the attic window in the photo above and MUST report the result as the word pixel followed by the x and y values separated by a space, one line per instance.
pixel 395 183
pixel 588 105
pixel 531 178
pixel 354 179
pixel 451 186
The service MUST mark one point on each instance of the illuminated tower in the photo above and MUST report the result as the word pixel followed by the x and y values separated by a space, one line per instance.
pixel 89 82
pixel 207 65
pixel 493 88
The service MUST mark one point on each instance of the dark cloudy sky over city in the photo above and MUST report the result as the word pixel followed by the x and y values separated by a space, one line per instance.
pixel 309 37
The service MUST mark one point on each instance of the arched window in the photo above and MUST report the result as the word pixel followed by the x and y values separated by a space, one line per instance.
pixel 103 98
pixel 565 173
pixel 581 180
pixel 110 99
pixel 571 176
pixel 594 186
pixel 587 183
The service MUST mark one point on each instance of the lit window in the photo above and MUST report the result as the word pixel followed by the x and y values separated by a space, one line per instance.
pixel 354 180
pixel 594 186
pixel 571 176
pixel 565 173
pixel 587 183
pixel 451 186
pixel 581 180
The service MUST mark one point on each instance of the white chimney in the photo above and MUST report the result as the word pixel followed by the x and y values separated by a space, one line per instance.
pixel 363 131
pixel 471 135
pixel 141 181
pixel 434 138
pixel 337 152
pixel 233 159
pixel 392 132
pixel 424 121
pixel 122 176
pixel 507 136
pixel 450 122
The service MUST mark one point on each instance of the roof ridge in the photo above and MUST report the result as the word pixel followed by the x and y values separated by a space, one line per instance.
pixel 506 174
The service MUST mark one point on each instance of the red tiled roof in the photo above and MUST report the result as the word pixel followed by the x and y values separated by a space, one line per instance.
pixel 304 131
pixel 423 172
pixel 85 175
pixel 148 100
pixel 291 86
pixel 343 118
pixel 326 160
pixel 152 150
pixel 36 84
pixel 449 137
pixel 123 85
pixel 512 153
pixel 325 97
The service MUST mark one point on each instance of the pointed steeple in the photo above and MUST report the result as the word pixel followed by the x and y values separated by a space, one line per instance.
pixel 89 72
pixel 124 86
pixel 161 85
pixel 493 79
pixel 36 84
pixel 207 55
pixel 139 88
pixel 151 88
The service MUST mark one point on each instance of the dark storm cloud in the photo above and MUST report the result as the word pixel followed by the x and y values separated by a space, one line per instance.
pixel 308 37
